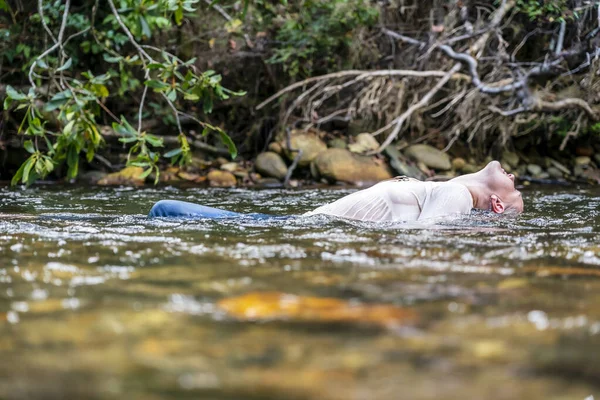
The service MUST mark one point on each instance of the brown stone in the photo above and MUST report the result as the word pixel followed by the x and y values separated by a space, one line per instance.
pixel 275 148
pixel 310 144
pixel 344 166
pixel 271 164
pixel 221 178
pixel 458 163
pixel 126 176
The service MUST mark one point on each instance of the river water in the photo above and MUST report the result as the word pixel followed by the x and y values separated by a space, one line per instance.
pixel 96 301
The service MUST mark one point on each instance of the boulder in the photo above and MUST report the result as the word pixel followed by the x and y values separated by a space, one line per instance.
pixel 310 144
pixel 534 169
pixel 469 169
pixel 430 156
pixel 230 166
pixel 220 178
pixel 337 143
pixel 364 142
pixel 555 172
pixel 275 148
pixel 345 166
pixel 559 166
pixel 91 177
pixel 458 163
pixel 510 158
pixel 400 167
pixel 126 176
pixel 582 160
pixel 271 164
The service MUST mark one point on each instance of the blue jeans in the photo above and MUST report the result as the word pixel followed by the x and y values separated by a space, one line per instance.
pixel 184 209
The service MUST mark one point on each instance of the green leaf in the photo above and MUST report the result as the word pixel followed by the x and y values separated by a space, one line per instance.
pixel 13 94
pixel 229 143
pixel 28 165
pixel 18 174
pixel 179 15
pixel 154 141
pixel 155 66
pixel 172 153
pixel 72 162
pixel 28 145
pixel 172 95
pixel 191 97
pixel 66 65
pixel 145 28
pixel 42 64
pixel 128 139
pixel 157 85
pixel 110 59
pixel 145 174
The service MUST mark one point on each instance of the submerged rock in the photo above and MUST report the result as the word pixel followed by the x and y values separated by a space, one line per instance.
pixel 268 306
pixel 126 176
pixel 310 144
pixel 220 178
pixel 344 166
pixel 430 156
pixel 271 164
pixel 364 143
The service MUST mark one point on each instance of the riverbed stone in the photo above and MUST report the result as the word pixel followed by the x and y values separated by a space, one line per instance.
pixel 559 166
pixel 364 142
pixel 430 156
pixel 470 169
pixel 534 169
pixel 271 164
pixel 555 172
pixel 510 158
pixel 220 178
pixel 345 166
pixel 230 166
pixel 458 163
pixel 126 176
pixel 597 158
pixel 400 166
pixel 337 143
pixel 310 144
pixel 92 177
pixel 582 160
pixel 275 148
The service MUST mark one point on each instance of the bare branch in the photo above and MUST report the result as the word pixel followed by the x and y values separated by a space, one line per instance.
pixel 360 74
pixel 57 44
pixel 420 104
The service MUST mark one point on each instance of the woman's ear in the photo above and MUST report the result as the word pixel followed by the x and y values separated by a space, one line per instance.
pixel 496 204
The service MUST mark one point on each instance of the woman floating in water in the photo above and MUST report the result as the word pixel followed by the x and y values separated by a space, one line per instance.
pixel 398 199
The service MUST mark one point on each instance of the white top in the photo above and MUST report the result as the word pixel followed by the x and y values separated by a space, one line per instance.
pixel 406 200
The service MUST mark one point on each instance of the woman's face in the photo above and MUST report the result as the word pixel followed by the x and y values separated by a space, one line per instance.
pixel 502 185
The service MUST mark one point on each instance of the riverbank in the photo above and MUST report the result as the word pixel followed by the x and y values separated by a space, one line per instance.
pixel 315 157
